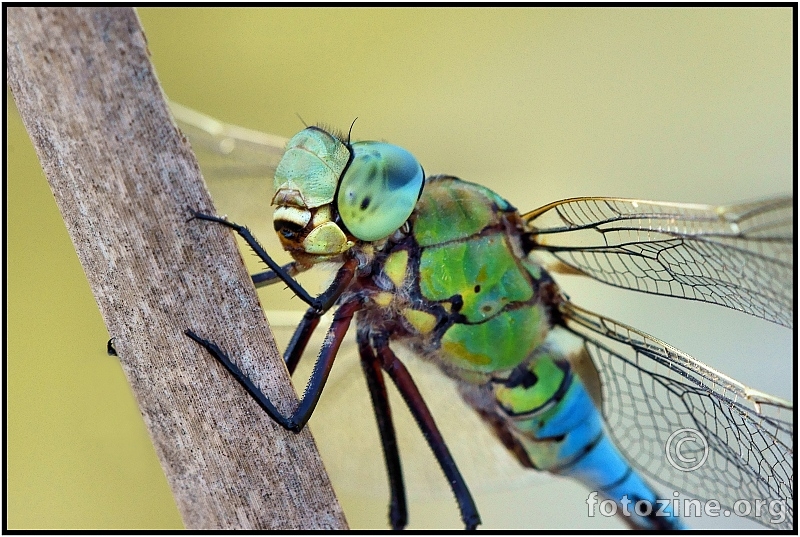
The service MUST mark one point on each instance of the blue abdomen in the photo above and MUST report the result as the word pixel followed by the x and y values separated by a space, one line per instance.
pixel 548 411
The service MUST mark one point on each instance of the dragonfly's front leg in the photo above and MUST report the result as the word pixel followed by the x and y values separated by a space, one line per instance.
pixel 268 277
pixel 285 273
pixel 398 509
pixel 416 404
pixel 322 368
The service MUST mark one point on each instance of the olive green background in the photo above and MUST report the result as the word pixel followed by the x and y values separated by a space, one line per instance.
pixel 683 105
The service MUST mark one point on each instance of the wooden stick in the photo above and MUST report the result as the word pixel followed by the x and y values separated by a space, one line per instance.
pixel 124 178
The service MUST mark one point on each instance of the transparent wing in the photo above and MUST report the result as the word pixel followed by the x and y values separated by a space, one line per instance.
pixel 238 165
pixel 737 256
pixel 229 150
pixel 653 393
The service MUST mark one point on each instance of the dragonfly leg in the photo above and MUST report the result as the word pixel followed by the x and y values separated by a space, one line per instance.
pixel 322 367
pixel 300 338
pixel 398 509
pixel 306 328
pixel 416 404
pixel 110 349
pixel 268 277
pixel 322 302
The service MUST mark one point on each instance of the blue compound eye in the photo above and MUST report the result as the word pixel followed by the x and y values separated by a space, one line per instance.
pixel 379 190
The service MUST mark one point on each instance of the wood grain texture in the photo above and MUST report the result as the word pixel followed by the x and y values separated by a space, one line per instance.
pixel 124 177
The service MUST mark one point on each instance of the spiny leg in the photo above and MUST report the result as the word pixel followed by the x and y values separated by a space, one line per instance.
pixel 416 404
pixel 285 273
pixel 322 368
pixel 398 509
pixel 306 328
pixel 310 320
pixel 322 302
pixel 268 277
pixel 302 334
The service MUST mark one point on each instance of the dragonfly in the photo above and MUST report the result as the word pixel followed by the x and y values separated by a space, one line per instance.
pixel 453 272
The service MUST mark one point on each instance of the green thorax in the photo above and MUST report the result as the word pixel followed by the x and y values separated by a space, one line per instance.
pixel 450 209
pixel 464 290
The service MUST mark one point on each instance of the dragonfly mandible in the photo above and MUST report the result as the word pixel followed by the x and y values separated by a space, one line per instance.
pixel 454 272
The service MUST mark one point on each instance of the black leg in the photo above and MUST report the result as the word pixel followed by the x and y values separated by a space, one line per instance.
pixel 323 302
pixel 268 277
pixel 298 419
pixel 398 509
pixel 261 253
pixel 306 328
pixel 416 404
pixel 300 338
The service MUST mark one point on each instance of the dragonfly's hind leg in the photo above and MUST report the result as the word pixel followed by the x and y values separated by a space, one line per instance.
pixel 398 508
pixel 416 404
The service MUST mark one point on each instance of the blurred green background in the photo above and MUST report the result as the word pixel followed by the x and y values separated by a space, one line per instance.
pixel 691 105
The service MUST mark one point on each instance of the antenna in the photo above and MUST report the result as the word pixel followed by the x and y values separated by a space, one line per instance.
pixel 351 129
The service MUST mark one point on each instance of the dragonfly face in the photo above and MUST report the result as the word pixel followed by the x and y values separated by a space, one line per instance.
pixel 330 194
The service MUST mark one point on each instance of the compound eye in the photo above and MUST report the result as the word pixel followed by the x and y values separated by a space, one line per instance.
pixel 379 190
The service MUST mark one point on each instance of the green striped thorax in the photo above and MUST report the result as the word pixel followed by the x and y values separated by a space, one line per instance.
pixel 330 194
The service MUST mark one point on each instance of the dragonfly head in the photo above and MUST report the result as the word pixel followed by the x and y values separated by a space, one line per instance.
pixel 330 195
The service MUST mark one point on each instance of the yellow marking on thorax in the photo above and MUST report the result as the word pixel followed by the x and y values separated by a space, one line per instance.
pixel 422 321
pixel 458 349
pixel 383 299
pixel 395 267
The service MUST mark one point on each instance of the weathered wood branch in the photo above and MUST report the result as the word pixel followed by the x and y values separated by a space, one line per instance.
pixel 124 179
